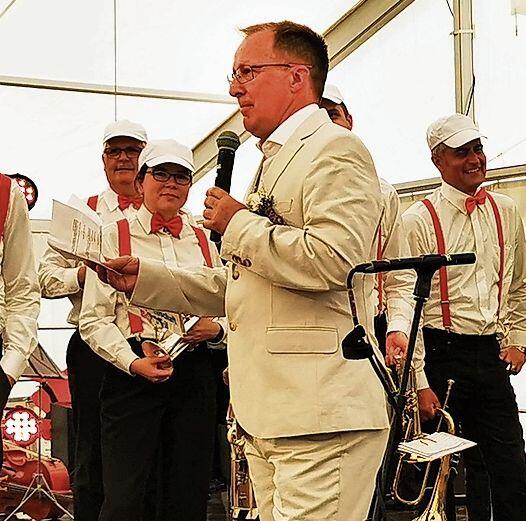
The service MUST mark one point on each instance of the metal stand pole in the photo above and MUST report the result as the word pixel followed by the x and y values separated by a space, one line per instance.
pixel 355 346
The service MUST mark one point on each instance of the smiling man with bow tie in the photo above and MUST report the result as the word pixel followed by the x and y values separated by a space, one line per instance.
pixel 59 277
pixel 475 319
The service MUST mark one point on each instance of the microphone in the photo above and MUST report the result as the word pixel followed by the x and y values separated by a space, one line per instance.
pixel 431 261
pixel 227 143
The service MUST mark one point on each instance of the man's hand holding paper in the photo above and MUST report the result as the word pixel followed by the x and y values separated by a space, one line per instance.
pixel 120 273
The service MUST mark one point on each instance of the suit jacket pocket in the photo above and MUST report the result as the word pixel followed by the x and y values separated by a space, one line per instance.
pixel 302 340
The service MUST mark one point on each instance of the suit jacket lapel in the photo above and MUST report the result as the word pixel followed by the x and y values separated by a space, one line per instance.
pixel 291 147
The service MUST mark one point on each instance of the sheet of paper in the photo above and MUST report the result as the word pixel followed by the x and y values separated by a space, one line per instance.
pixel 76 231
pixel 173 345
pixel 433 446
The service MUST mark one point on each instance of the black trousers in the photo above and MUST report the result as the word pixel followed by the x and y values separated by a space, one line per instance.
pixel 380 330
pixel 139 418
pixel 85 372
pixel 221 445
pixel 5 389
pixel 484 408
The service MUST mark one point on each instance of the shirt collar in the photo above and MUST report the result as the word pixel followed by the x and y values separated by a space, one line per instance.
pixel 289 126
pixel 455 196
pixel 111 199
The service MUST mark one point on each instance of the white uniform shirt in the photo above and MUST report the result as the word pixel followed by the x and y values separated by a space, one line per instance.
pixel 473 289
pixel 58 275
pixel 398 285
pixel 19 285
pixel 104 323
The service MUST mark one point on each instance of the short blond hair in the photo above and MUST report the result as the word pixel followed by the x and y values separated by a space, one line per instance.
pixel 302 42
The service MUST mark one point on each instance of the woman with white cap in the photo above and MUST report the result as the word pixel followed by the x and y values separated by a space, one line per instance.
pixel 148 403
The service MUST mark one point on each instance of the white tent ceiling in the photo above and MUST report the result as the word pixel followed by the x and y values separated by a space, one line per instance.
pixel 395 84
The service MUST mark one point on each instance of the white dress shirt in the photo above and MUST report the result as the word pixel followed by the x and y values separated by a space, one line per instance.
pixel 58 276
pixel 473 288
pixel 19 285
pixel 398 285
pixel 104 323
pixel 271 146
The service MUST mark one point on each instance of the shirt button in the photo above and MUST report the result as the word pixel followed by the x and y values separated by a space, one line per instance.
pixel 235 272
pixel 236 259
pixel 232 326
pixel 246 262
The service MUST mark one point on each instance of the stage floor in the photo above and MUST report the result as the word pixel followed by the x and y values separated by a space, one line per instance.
pixel 217 511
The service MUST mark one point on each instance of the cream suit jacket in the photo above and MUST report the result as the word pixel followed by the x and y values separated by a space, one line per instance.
pixel 284 289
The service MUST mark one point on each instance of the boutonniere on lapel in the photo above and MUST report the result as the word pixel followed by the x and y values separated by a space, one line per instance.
pixel 262 203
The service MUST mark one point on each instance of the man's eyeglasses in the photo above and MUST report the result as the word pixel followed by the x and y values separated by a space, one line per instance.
pixel 181 178
pixel 130 152
pixel 246 73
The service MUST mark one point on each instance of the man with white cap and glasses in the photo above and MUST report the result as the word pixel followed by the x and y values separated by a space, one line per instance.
pixel 393 310
pixel 474 323
pixel 59 277
pixel 148 404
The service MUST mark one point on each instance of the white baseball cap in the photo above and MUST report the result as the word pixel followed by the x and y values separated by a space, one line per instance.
pixel 125 128
pixel 454 131
pixel 159 151
pixel 332 93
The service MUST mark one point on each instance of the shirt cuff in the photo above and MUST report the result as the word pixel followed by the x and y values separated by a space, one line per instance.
pixel 124 361
pixel 219 338
pixel 71 280
pixel 399 324
pixel 516 338
pixel 421 380
pixel 13 364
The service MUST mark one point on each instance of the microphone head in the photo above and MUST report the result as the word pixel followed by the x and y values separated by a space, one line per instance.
pixel 229 140
pixel 463 258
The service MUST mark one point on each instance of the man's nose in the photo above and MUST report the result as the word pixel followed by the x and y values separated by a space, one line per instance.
pixel 236 89
pixel 473 157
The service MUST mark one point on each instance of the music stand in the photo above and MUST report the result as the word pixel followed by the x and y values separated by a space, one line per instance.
pixel 40 368
pixel 355 346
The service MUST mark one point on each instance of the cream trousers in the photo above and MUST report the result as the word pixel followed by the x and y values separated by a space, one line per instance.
pixel 320 477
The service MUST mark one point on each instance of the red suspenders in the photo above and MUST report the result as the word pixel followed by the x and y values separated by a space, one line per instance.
pixel 442 273
pixel 123 229
pixel 203 244
pixel 441 249
pixel 500 236
pixel 5 193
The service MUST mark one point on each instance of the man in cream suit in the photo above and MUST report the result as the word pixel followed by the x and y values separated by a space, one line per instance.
pixel 316 424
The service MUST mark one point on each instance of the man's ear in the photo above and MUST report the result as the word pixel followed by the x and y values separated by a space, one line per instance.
pixel 348 117
pixel 299 76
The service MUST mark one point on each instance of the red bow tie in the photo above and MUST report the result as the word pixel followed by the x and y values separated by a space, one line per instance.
pixel 125 201
pixel 472 202
pixel 173 226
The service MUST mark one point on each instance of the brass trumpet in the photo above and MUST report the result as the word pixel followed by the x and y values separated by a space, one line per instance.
pixel 435 510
